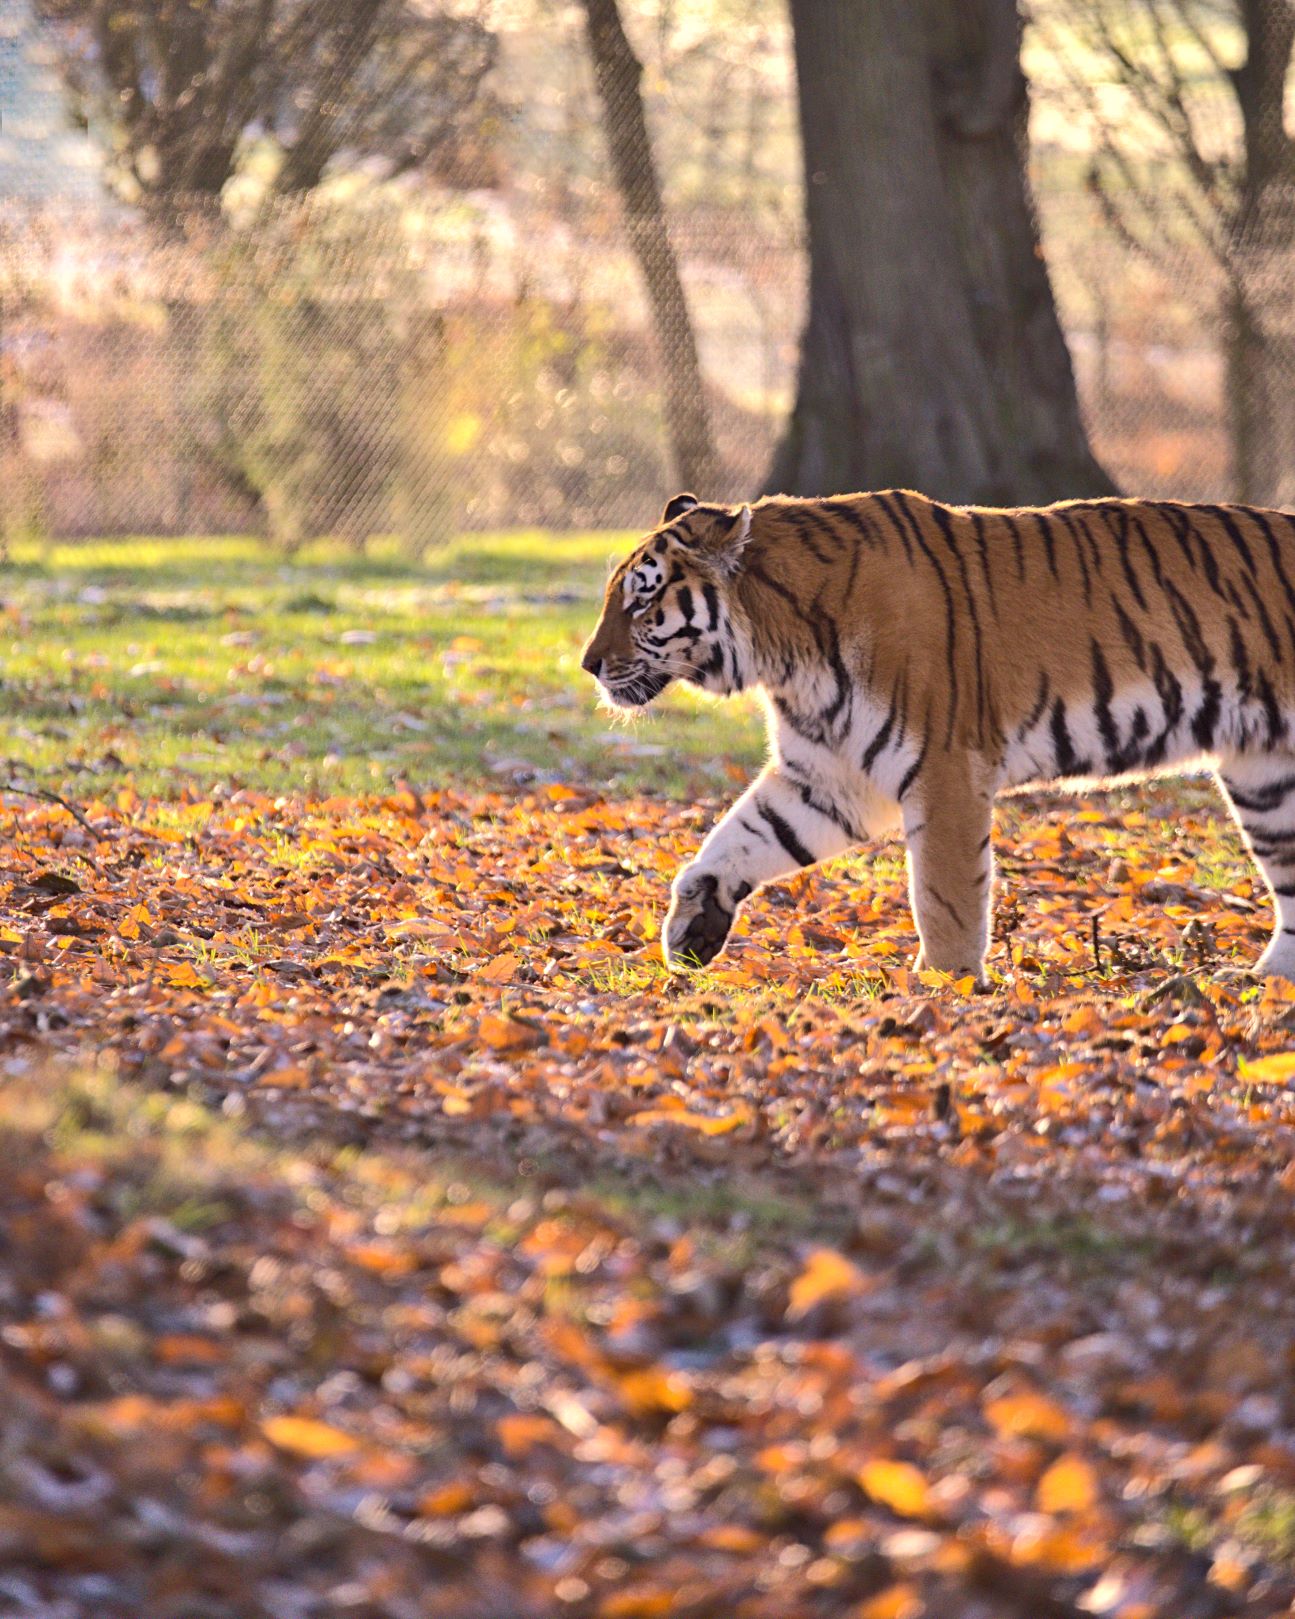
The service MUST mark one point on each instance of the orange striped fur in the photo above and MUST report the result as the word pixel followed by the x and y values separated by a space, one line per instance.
pixel 917 659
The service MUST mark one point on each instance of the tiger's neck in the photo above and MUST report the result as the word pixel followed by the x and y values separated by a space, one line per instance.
pixel 791 647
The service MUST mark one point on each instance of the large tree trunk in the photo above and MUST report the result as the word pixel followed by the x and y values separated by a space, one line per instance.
pixel 1258 324
pixel 932 357
pixel 1259 383
pixel 617 73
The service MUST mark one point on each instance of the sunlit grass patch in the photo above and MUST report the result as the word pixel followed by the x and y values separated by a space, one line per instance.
pixel 210 664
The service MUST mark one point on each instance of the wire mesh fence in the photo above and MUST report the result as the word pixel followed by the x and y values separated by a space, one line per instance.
pixel 474 348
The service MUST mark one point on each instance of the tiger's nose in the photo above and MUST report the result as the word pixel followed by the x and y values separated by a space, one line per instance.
pixel 591 663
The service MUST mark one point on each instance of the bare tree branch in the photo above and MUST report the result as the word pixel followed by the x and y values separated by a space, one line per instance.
pixel 175 86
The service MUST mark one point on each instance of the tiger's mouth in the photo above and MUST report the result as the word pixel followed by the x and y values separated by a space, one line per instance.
pixel 636 692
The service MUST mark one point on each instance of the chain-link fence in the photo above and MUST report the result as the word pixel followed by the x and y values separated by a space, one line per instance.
pixel 469 344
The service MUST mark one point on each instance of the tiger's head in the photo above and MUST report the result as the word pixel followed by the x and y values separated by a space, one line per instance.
pixel 666 614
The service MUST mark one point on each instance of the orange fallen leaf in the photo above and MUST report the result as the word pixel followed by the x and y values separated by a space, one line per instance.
pixel 897 1485
pixel 1272 1070
pixel 1069 1485
pixel 827 1274
pixel 446 1500
pixel 1028 1415
pixel 181 975
pixel 502 1033
pixel 520 1431
pixel 648 1602
pixel 901 1601
pixel 654 1389
pixel 304 1436
pixel 501 970
pixel 708 1124
pixel 178 1348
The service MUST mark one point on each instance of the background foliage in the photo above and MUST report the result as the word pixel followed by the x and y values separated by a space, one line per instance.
pixel 501 250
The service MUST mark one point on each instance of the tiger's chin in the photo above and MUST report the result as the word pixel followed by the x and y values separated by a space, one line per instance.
pixel 632 695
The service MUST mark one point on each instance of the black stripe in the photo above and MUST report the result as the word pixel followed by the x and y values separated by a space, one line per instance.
pixel 1120 534
pixel 1169 511
pixel 944 523
pixel 789 717
pixel 1207 715
pixel 1068 761
pixel 1260 520
pixel 824 807
pixel 824 633
pixel 711 597
pixel 842 509
pixel 1049 542
pixel 795 520
pixel 1088 529
pixel 1276 724
pixel 896 525
pixel 945 905
pixel 1082 560
pixel 1270 843
pixel 1153 556
pixel 1040 704
pixel 1132 635
pixel 1266 624
pixel 1103 691
pixel 785 835
pixel 1265 799
pixel 950 615
pixel 1240 658
pixel 1235 535
pixel 879 741
pixel 812 511
pixel 910 775
pixel 1208 558
pixel 978 523
pixel 1016 541
pixel 1170 693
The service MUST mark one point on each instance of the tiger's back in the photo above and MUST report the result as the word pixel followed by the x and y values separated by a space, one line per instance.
pixel 1090 638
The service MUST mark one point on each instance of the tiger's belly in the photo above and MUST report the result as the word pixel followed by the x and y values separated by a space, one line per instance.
pixel 1143 730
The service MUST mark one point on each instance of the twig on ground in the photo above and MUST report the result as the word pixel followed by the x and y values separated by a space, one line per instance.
pixel 49 797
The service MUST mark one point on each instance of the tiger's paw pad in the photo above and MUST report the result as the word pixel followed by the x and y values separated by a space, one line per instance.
pixel 698 924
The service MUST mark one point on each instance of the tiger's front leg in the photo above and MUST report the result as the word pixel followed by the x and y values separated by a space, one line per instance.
pixel 782 823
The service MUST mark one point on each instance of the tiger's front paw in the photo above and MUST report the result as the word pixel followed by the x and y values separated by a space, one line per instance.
pixel 699 920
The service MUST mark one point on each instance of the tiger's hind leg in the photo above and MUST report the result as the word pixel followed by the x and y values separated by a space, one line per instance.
pixel 1261 790
pixel 948 813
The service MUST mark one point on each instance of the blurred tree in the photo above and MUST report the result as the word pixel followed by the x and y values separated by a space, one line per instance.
pixel 1179 62
pixel 618 74
pixel 932 355
pixel 178 88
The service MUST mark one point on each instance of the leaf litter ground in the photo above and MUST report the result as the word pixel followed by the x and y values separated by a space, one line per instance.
pixel 386 1234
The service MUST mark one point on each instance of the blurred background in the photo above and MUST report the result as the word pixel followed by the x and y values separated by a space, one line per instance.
pixel 367 268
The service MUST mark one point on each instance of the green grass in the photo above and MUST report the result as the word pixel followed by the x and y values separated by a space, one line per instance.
pixel 203 663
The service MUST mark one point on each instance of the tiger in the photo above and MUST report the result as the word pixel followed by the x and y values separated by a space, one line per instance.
pixel 917 659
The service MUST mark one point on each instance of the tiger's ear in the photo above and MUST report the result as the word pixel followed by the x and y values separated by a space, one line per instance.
pixel 678 506
pixel 733 530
